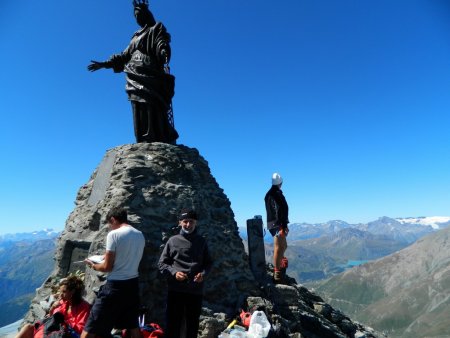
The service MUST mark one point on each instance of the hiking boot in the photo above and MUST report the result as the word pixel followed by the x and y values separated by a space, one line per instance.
pixel 277 277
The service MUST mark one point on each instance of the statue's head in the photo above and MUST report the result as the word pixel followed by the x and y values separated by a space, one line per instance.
pixel 142 13
pixel 140 4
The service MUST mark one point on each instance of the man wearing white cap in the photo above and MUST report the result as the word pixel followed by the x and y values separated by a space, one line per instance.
pixel 277 224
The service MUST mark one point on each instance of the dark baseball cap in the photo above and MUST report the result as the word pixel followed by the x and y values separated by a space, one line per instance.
pixel 187 214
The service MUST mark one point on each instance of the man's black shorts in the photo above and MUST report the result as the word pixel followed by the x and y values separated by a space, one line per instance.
pixel 275 231
pixel 116 306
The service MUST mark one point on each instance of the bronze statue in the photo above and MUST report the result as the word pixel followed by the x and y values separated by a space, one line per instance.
pixel 150 86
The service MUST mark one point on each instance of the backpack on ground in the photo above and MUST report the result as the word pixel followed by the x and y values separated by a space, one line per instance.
pixel 152 330
pixel 54 327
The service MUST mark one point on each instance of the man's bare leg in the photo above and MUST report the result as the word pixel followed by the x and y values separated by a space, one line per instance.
pixel 279 248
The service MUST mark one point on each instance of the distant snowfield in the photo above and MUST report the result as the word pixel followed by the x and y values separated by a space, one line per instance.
pixel 432 221
pixel 10 331
pixel 436 222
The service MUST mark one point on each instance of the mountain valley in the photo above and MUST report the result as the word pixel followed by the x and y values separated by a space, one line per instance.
pixel 25 262
pixel 406 294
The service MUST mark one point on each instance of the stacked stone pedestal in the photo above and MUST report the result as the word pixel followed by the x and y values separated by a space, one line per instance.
pixel 154 181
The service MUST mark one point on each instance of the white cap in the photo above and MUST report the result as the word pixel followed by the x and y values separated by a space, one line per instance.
pixel 276 179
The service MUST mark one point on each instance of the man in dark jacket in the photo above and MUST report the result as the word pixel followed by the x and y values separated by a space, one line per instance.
pixel 185 261
pixel 277 224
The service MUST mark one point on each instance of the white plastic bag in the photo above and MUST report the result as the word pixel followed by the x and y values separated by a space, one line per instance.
pixel 259 325
pixel 224 335
pixel 238 334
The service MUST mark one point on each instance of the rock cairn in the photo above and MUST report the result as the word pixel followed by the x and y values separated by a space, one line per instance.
pixel 154 181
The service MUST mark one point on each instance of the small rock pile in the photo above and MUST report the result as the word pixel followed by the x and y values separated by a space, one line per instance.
pixel 294 312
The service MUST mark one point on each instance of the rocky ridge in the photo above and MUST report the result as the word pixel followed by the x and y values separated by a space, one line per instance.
pixel 154 181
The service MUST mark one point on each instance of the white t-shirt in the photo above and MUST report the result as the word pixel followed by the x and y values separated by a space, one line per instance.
pixel 128 245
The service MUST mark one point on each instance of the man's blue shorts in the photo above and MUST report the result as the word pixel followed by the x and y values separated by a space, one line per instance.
pixel 116 306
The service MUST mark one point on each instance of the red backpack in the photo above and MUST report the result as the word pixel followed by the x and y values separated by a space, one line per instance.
pixel 152 330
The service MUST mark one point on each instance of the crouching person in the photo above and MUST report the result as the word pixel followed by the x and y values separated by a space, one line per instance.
pixel 185 261
pixel 117 303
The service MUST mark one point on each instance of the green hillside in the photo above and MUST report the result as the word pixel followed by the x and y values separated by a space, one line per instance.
pixel 405 294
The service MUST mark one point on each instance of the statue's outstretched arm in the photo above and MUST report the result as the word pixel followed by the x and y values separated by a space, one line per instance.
pixel 96 65
pixel 116 62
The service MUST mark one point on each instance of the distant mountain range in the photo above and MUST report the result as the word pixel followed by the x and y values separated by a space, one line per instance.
pixel 26 260
pixel 406 294
pixel 318 251
pixel 406 230
pixel 29 236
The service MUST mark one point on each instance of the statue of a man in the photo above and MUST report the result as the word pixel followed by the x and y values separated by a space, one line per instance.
pixel 149 86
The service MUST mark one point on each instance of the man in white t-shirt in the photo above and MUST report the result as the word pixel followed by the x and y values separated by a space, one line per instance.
pixel 117 303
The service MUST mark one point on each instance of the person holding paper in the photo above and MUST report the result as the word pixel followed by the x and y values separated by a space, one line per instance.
pixel 117 302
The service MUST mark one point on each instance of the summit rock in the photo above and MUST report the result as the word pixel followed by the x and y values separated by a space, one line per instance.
pixel 154 181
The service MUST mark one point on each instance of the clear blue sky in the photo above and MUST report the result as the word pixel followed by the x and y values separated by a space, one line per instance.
pixel 349 100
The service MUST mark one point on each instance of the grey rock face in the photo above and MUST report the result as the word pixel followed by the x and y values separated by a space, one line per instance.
pixel 154 181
